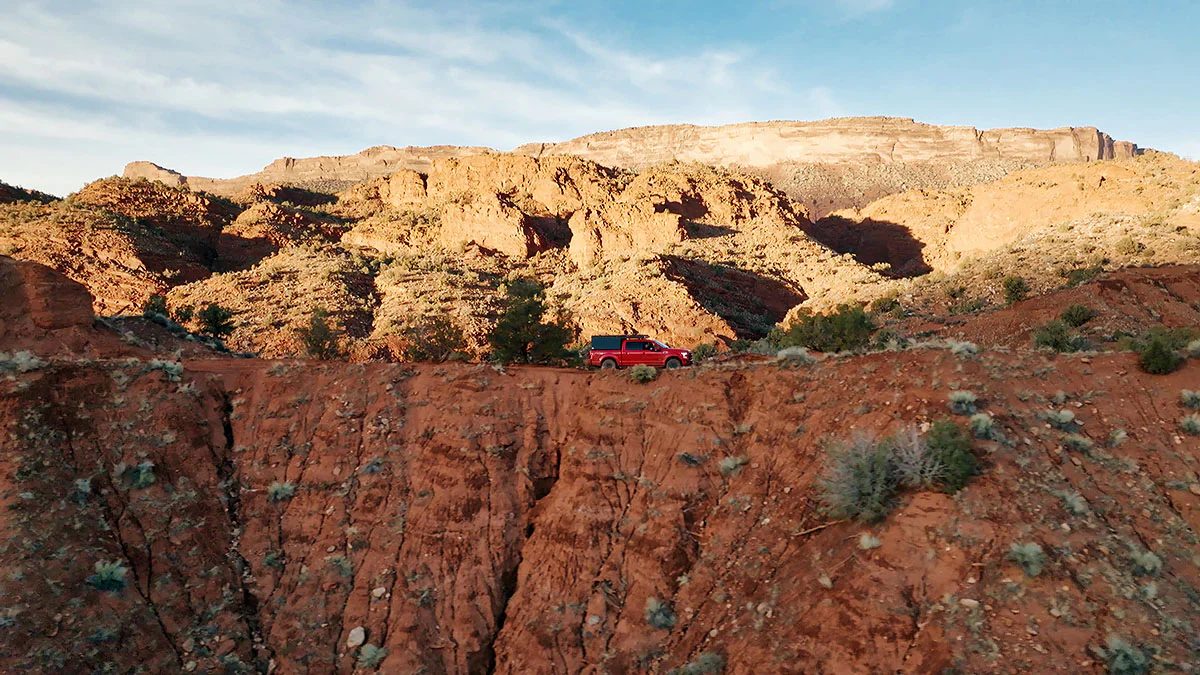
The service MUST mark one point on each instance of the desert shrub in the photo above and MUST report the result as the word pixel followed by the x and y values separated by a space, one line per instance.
pixel 21 362
pixel 915 465
pixel 1057 335
pixel 137 477
pixel 704 351
pixel 1077 315
pixel 215 320
pixel 1190 424
pixel 1081 275
pixel 731 466
pixel 521 335
pixel 433 338
pixel 867 542
pixel 1127 246
pixel 642 374
pixel 981 425
pixel 1029 556
pixel 951 446
pixel 968 306
pixel 846 329
pixel 1015 289
pixel 1077 443
pixel 1075 502
pixel 962 402
pixel 370 656
pixel 1117 437
pixel 1122 658
pixel 319 339
pixel 691 459
pixel 859 480
pixel 1193 348
pixel 795 355
pixel 1158 358
pixel 962 348
pixel 109 576
pixel 704 664
pixel 156 305
pixel 280 492
pixel 884 305
pixel 1144 563
pixel 172 369
pixel 185 313
pixel 1063 420
pixel 660 614
pixel 1190 399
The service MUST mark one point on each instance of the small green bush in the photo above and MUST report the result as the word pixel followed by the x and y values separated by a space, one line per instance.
pixel 280 492
pixel 660 614
pixel 731 466
pixel 433 338
pixel 704 351
pixel 859 480
pixel 1029 556
pixel 157 305
pixel 1123 658
pixel 1145 563
pixel 642 374
pixel 1190 424
pixel 1082 275
pixel 319 339
pixel 1157 358
pixel 215 321
pixel 962 402
pixel 1078 443
pixel 1077 315
pixel 1015 289
pixel 109 576
pixel 1190 399
pixel 981 425
pixel 951 446
pixel 847 329
pixel 370 656
pixel 704 664
pixel 962 348
pixel 1063 420
pixel 884 305
pixel 1057 335
pixel 915 465
pixel 137 477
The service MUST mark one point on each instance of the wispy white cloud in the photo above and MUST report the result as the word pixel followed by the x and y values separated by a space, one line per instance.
pixel 206 87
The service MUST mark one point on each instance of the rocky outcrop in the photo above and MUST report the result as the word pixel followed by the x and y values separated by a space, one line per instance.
pixel 324 173
pixel 491 221
pixel 844 140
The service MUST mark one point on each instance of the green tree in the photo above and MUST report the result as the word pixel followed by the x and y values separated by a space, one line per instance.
pixel 433 338
pixel 521 335
pixel 846 329
pixel 215 320
pixel 320 340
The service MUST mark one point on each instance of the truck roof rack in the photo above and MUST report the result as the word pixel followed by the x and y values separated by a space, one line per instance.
pixel 621 336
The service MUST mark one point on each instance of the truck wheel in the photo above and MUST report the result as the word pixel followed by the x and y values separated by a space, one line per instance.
pixel 608 364
pixel 673 363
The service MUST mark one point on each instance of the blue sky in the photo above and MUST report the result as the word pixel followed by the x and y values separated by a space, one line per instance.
pixel 221 88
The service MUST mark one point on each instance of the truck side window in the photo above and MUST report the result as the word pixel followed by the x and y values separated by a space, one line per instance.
pixel 635 346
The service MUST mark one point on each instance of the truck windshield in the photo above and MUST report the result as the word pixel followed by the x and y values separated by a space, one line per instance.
pixel 660 345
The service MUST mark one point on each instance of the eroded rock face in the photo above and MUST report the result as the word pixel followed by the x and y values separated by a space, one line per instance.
pixel 491 221
pixel 849 140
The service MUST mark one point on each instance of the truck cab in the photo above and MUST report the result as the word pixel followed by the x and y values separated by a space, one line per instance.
pixel 622 351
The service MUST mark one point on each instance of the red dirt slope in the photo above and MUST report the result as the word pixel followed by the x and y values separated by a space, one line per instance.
pixel 465 519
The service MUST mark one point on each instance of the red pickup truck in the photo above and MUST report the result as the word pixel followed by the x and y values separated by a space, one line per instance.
pixel 620 351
